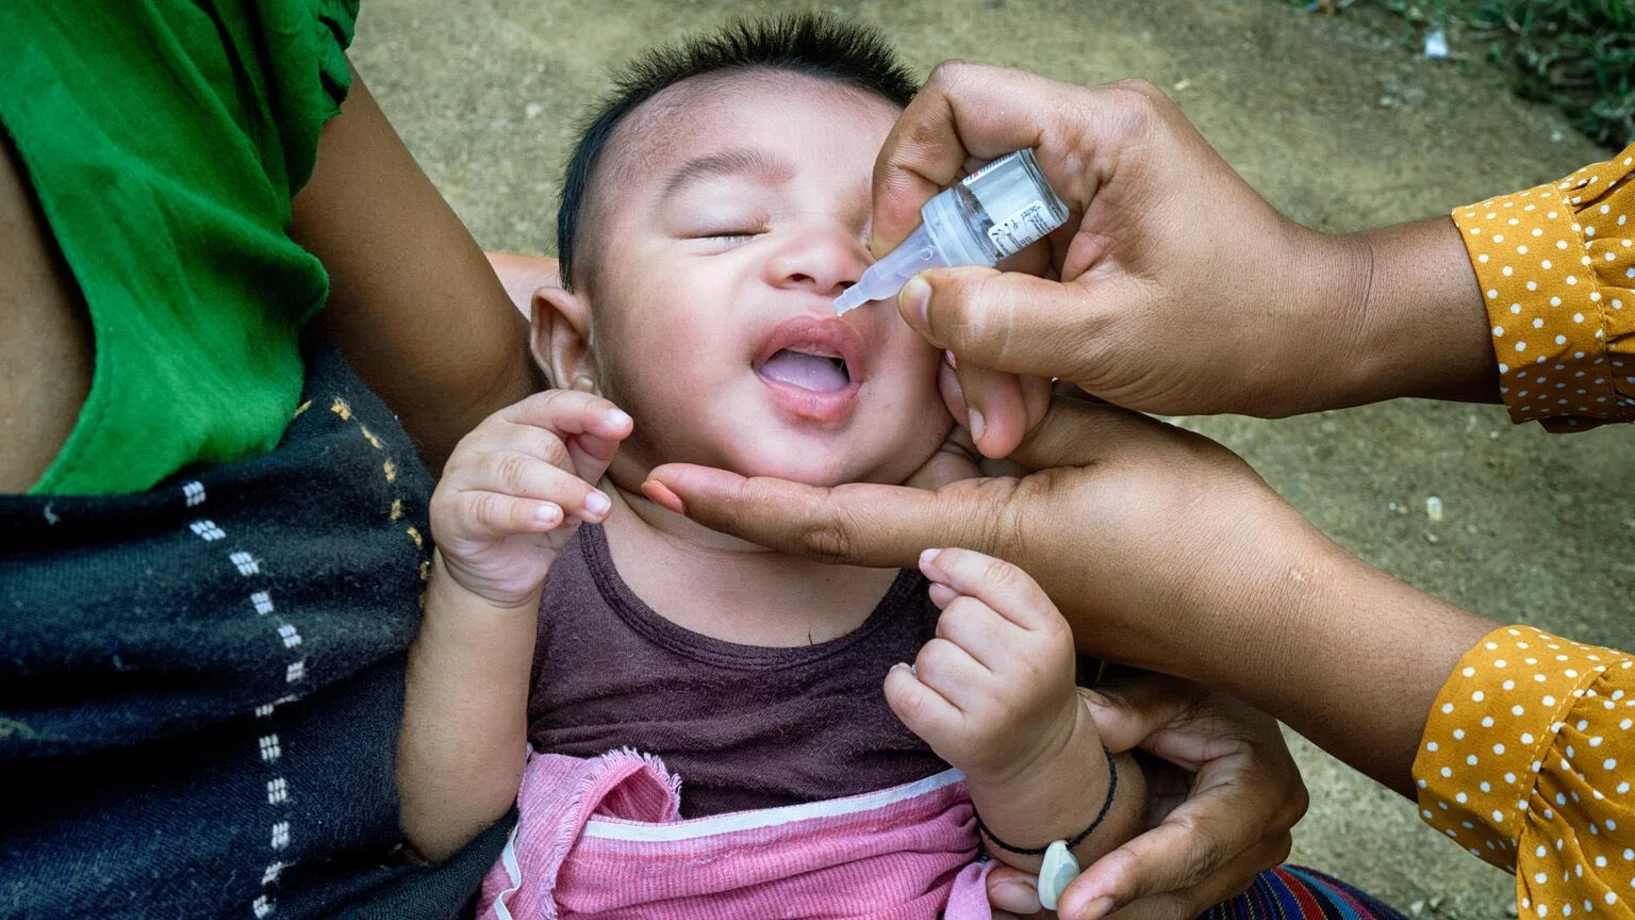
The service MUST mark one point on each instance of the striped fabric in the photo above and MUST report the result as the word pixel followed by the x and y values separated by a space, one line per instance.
pixel 1295 893
pixel 603 838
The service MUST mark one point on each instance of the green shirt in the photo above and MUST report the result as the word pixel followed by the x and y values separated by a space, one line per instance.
pixel 164 140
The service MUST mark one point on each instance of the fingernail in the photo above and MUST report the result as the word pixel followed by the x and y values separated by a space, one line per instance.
pixel 619 417
pixel 660 493
pixel 977 425
pixel 597 503
pixel 953 362
pixel 915 299
pixel 928 556
pixel 547 514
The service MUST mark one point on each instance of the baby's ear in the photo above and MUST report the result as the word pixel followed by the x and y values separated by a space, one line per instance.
pixel 560 339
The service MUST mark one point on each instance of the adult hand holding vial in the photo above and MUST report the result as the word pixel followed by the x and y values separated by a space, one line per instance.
pixel 990 215
pixel 1175 288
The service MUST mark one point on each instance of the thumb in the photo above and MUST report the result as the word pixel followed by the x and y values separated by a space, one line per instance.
pixel 1013 891
pixel 1127 712
pixel 1007 321
pixel 1077 432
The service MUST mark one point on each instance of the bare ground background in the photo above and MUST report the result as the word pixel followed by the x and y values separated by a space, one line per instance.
pixel 1335 124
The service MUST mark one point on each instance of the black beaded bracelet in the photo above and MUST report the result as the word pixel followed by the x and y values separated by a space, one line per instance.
pixel 1112 787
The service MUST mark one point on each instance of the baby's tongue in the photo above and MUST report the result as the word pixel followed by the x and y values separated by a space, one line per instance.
pixel 809 372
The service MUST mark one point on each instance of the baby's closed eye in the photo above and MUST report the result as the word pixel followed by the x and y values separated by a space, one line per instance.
pixel 727 235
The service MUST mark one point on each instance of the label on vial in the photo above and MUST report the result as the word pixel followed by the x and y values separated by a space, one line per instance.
pixel 1021 230
pixel 986 167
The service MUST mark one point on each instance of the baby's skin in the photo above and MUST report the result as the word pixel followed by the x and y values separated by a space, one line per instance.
pixel 701 329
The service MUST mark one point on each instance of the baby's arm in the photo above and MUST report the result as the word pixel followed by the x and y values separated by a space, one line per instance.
pixel 993 694
pixel 514 491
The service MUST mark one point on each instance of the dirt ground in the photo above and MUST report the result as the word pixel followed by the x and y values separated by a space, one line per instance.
pixel 1337 127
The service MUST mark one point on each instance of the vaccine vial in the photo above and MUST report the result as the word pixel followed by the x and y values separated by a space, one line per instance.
pixel 991 214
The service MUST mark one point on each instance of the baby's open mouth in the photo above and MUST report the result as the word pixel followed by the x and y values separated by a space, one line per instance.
pixel 809 369
pixel 813 358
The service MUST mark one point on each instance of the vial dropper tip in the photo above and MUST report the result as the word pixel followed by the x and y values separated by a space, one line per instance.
pixel 849 299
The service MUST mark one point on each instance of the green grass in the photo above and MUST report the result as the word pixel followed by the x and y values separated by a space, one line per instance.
pixel 1575 54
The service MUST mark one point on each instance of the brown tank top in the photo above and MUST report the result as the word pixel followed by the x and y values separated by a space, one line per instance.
pixel 743 726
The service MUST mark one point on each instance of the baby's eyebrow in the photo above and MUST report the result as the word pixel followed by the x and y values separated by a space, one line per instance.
pixel 762 165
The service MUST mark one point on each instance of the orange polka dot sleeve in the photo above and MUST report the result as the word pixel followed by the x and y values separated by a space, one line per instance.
pixel 1527 762
pixel 1557 268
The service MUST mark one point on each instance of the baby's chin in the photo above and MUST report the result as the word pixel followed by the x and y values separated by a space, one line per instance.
pixel 819 460
pixel 805 471
pixel 833 464
pixel 808 467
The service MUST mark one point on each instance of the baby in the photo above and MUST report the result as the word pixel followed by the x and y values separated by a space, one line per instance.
pixel 708 729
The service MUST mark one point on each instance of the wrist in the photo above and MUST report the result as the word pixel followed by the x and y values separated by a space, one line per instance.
pixel 1414 320
pixel 1308 308
pixel 445 591
pixel 1057 796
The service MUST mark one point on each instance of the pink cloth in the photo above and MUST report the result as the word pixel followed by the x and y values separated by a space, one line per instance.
pixel 603 838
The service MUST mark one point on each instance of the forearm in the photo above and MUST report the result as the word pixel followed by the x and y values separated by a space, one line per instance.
pixel 413 303
pixel 1060 799
pixel 463 745
pixel 1343 653
pixel 1413 321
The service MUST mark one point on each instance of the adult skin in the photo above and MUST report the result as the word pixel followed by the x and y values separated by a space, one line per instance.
pixel 1182 291
pixel 1163 549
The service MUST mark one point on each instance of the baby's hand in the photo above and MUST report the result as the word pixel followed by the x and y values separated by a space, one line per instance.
pixel 518 486
pixel 993 694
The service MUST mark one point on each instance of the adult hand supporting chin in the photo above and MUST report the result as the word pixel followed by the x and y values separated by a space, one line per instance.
pixel 1223 795
pixel 1166 552
pixel 1181 290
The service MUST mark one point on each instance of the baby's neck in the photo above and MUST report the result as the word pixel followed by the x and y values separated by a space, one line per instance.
pixel 732 590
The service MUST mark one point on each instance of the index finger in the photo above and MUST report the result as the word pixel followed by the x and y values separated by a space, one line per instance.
pixel 568 413
pixel 969 110
pixel 880 525
pixel 851 524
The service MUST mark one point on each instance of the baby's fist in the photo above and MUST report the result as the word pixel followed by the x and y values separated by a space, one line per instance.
pixel 518 486
pixel 993 693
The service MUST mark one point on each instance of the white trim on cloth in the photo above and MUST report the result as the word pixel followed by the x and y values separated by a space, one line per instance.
pixel 615 829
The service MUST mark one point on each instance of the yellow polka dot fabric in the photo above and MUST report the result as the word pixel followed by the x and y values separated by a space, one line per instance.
pixel 1557 268
pixel 1527 762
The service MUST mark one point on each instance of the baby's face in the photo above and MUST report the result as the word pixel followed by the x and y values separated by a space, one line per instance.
pixel 732 211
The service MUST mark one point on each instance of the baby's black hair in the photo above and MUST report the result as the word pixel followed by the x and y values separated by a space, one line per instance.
pixel 847 53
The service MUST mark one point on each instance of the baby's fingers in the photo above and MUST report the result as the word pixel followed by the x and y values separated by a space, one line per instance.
pixel 1007 589
pixel 522 476
pixel 484 515
pixel 924 711
pixel 591 455
pixel 569 413
pixel 992 640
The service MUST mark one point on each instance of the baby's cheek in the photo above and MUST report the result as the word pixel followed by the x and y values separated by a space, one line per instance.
pixel 911 431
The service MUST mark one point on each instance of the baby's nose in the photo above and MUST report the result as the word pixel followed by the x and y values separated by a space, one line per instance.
pixel 824 261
